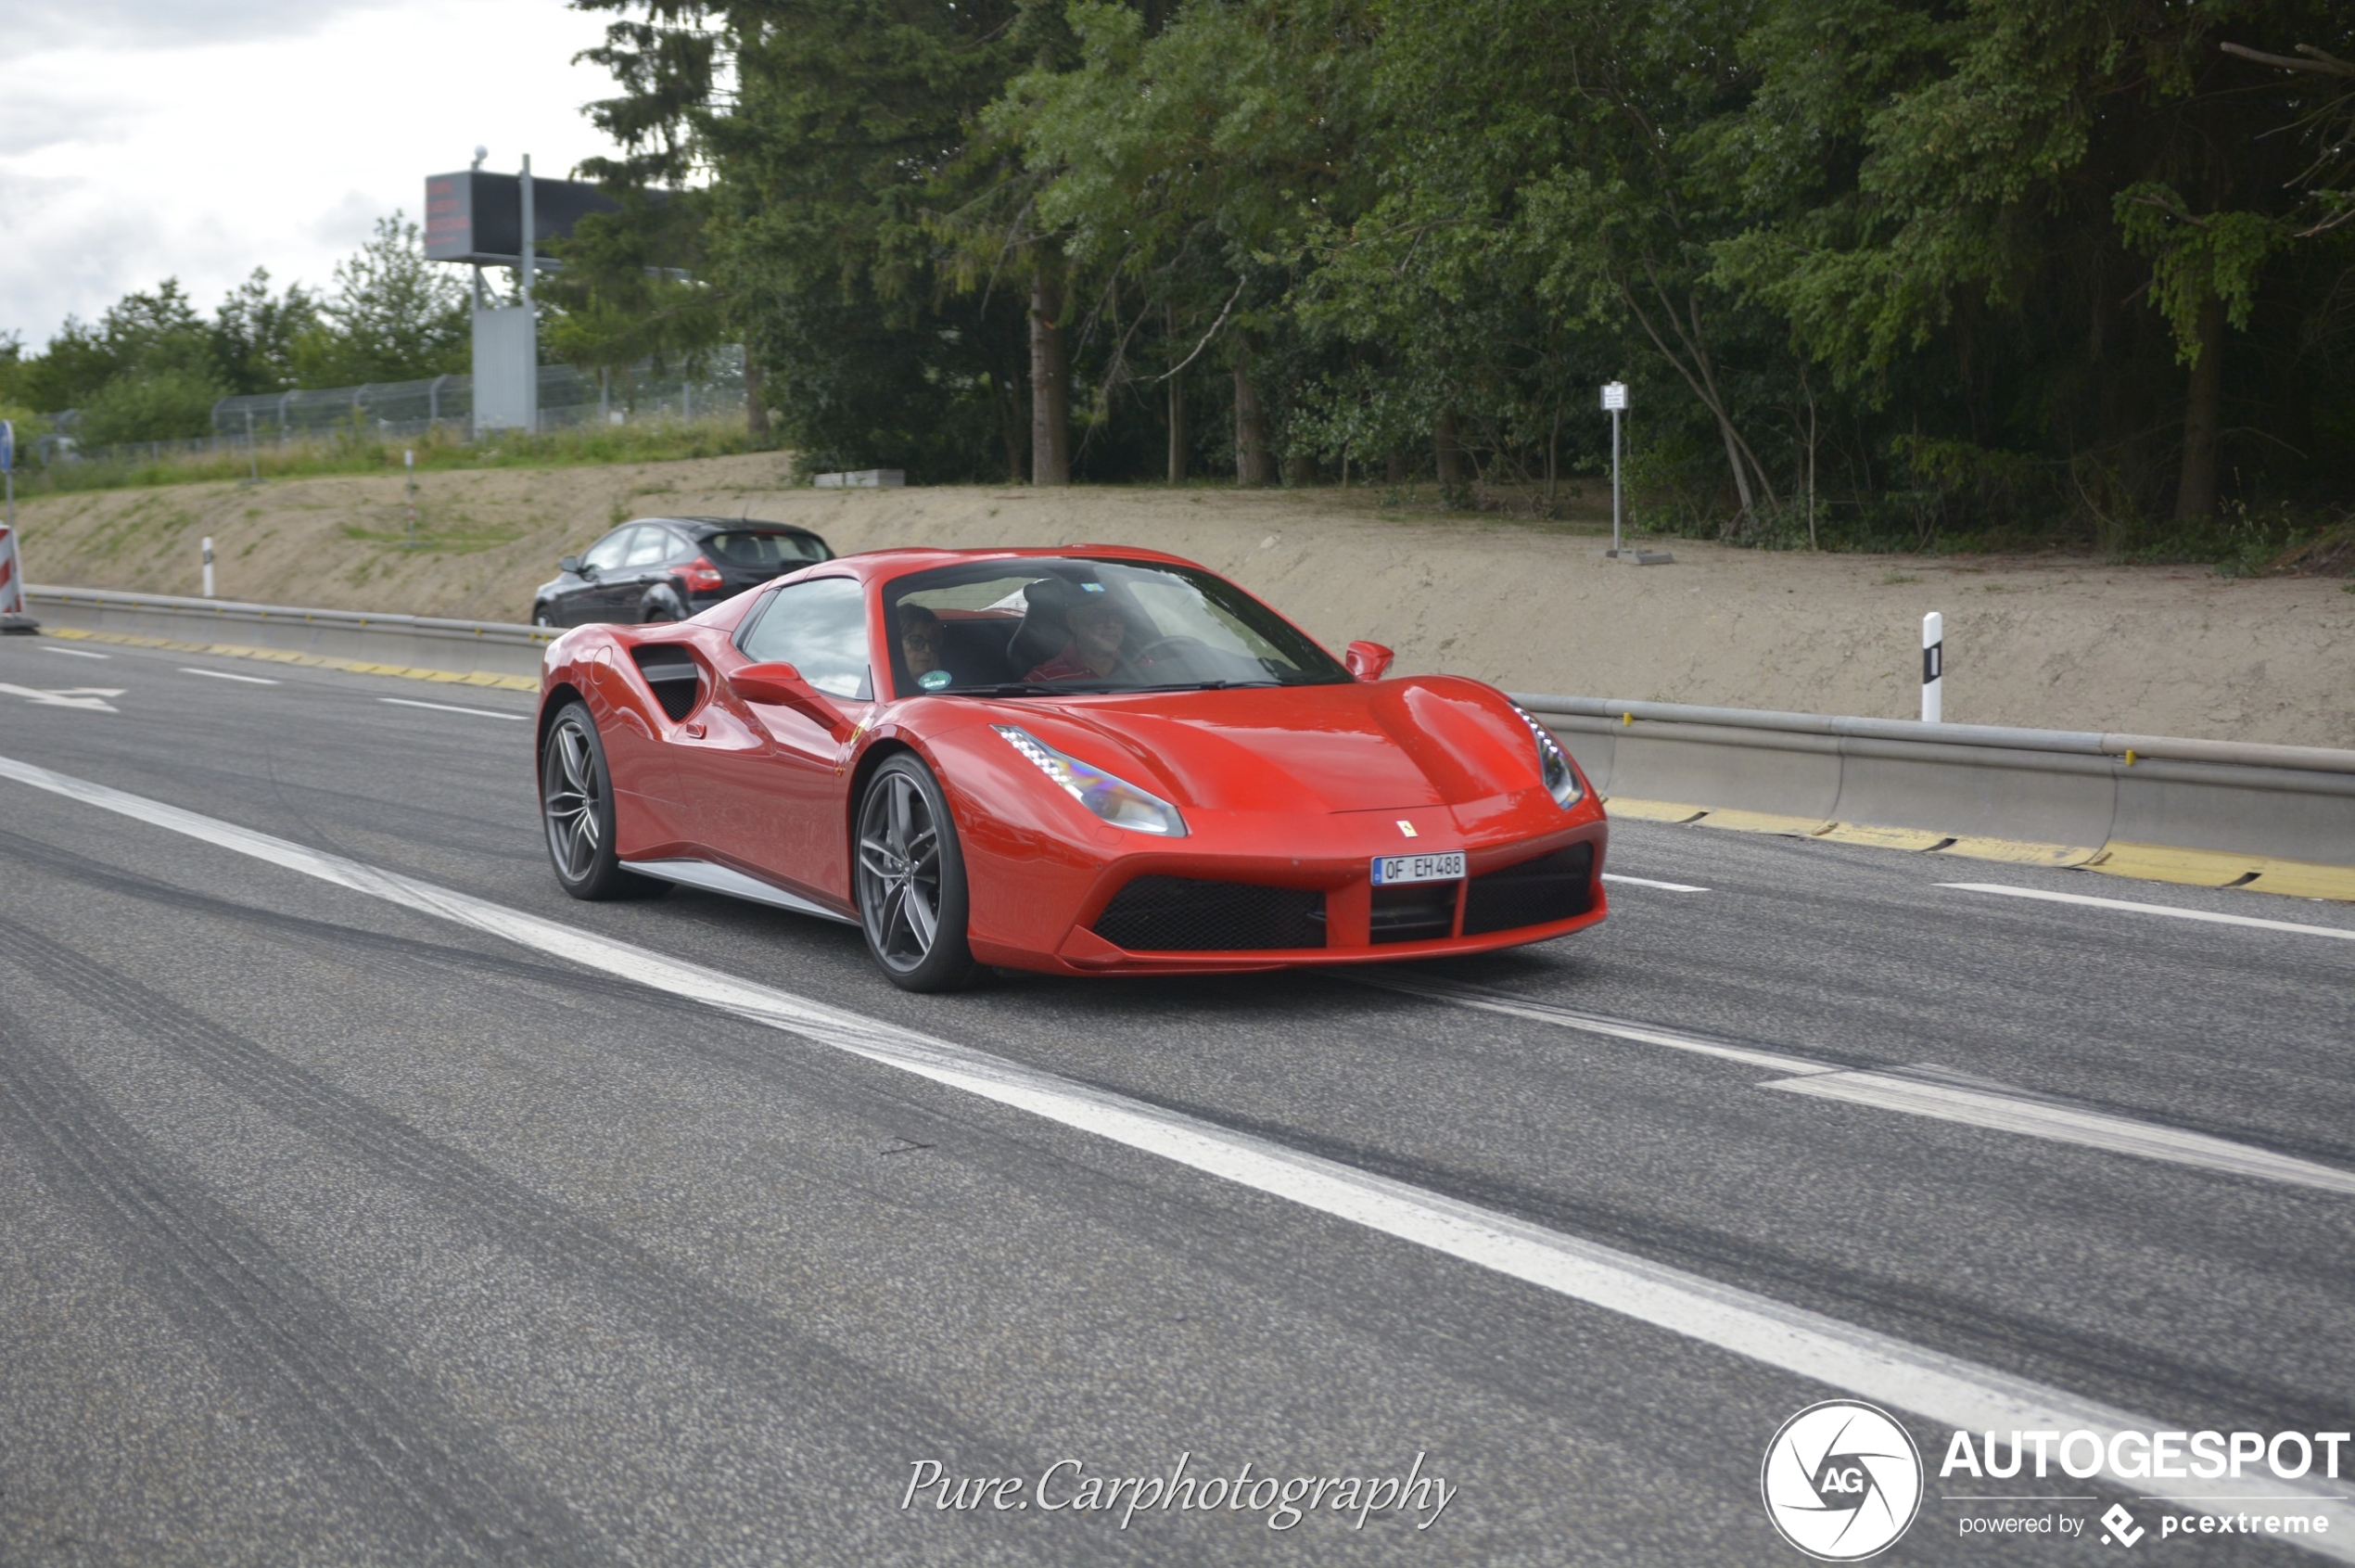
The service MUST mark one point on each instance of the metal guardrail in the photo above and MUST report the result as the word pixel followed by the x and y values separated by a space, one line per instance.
pixel 429 642
pixel 231 609
pixel 2087 790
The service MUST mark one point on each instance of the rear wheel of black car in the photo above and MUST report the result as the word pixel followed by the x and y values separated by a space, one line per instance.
pixel 576 804
pixel 910 879
pixel 663 605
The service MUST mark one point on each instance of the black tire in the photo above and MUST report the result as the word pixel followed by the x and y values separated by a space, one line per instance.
pixel 909 879
pixel 540 616
pixel 576 810
pixel 662 604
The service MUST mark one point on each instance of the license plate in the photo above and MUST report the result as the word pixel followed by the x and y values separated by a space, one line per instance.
pixel 1444 865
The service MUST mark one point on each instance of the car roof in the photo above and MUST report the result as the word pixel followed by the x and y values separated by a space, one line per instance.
pixel 703 527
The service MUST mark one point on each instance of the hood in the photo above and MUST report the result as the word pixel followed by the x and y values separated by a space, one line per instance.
pixel 1423 741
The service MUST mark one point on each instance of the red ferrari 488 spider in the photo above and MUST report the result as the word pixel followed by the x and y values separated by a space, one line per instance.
pixel 1085 760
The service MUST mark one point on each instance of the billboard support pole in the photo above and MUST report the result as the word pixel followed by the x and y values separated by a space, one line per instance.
pixel 531 315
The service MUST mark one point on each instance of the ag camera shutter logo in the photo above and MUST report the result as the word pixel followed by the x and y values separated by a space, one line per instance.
pixel 1842 1481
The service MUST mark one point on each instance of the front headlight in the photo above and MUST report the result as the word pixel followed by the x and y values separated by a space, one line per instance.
pixel 1553 763
pixel 1109 797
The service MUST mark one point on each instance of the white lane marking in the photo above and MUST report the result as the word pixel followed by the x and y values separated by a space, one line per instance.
pixel 91 698
pixel 1947 1389
pixel 226 675
pixel 1482 1000
pixel 1648 882
pixel 1929 1091
pixel 453 707
pixel 2343 934
pixel 1925 1090
pixel 72 653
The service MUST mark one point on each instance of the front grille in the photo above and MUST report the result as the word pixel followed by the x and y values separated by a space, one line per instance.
pixel 1551 888
pixel 1421 911
pixel 1187 914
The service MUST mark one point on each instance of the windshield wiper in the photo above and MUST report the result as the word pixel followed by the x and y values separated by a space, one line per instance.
pixel 1025 689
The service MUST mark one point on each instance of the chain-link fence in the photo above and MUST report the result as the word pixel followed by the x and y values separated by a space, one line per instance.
pixel 401 410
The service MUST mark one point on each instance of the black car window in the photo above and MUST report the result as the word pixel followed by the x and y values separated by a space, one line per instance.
pixel 648 546
pixel 678 550
pixel 767 548
pixel 606 553
pixel 819 628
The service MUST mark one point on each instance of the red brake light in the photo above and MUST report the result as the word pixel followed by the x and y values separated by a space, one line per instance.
pixel 703 577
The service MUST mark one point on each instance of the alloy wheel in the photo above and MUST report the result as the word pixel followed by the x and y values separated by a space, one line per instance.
pixel 898 871
pixel 571 794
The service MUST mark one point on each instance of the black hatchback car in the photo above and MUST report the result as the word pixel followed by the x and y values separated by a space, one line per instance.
pixel 667 568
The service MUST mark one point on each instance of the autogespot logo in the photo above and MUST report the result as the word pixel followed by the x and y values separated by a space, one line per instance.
pixel 1842 1481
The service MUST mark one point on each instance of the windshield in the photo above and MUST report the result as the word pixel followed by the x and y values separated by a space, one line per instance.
pixel 1042 626
pixel 749 547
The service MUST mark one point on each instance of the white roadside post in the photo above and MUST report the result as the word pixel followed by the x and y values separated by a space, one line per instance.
pixel 1933 668
pixel 13 620
pixel 208 565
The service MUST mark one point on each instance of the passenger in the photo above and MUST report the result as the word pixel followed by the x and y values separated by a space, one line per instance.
pixel 1098 630
pixel 919 640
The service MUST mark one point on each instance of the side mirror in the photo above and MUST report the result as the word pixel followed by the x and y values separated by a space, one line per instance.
pixel 782 685
pixel 778 683
pixel 571 563
pixel 1368 661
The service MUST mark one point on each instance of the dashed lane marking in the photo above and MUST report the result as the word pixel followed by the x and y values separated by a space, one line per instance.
pixel 93 698
pixel 72 653
pixel 226 675
pixel 1648 882
pixel 1924 1089
pixel 2341 932
pixel 453 707
pixel 1946 1389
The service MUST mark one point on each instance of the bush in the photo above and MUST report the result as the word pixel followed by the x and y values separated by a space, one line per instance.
pixel 163 405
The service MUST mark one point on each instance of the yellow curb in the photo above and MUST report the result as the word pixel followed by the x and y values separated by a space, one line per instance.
pixel 1766 822
pixel 2219 867
pixel 2018 852
pixel 1883 837
pixel 316 661
pixel 1652 810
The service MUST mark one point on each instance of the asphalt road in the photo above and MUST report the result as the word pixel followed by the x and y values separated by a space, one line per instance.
pixel 334 1231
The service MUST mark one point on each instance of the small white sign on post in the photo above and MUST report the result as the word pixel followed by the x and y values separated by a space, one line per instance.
pixel 1615 396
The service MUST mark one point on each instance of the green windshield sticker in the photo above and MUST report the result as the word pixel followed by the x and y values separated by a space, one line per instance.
pixel 932 680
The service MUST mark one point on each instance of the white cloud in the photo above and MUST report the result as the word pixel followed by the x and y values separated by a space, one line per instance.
pixel 165 149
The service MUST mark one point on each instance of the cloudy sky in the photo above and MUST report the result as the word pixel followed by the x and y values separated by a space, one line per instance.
pixel 198 140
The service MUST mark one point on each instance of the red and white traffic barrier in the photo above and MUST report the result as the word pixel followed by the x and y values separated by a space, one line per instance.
pixel 12 612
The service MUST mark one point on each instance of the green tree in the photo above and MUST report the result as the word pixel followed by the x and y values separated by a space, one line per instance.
pixel 394 316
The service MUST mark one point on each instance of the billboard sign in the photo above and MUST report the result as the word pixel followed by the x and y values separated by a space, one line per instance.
pixel 475 216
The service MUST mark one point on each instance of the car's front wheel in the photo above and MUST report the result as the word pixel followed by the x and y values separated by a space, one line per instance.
pixel 910 879
pixel 576 802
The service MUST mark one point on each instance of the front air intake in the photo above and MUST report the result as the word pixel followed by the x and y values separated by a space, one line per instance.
pixel 1556 886
pixel 1187 914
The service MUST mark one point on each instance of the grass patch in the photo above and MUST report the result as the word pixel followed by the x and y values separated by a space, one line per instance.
pixel 345 452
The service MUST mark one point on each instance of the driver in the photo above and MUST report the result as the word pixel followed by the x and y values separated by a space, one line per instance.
pixel 919 640
pixel 1097 633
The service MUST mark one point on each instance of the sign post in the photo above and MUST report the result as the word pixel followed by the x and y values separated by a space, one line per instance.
pixel 409 460
pixel 1615 404
pixel 13 620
